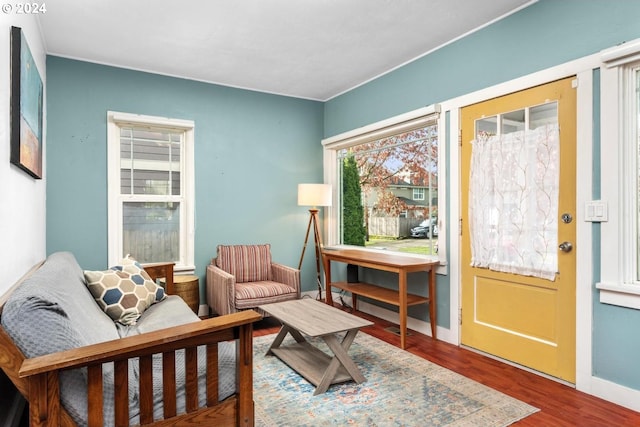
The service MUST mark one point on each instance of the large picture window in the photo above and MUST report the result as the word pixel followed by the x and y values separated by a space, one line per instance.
pixel 386 178
pixel 151 189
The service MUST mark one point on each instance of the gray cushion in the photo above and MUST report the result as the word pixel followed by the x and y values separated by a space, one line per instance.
pixel 170 312
pixel 60 282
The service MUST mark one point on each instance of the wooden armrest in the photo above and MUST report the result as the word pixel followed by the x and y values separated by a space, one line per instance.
pixel 161 269
pixel 196 333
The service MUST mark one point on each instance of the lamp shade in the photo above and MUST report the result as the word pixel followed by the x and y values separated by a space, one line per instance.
pixel 314 194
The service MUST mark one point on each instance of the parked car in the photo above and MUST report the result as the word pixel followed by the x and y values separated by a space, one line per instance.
pixel 427 228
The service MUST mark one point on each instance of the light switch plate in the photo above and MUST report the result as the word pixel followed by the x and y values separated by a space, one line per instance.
pixel 596 211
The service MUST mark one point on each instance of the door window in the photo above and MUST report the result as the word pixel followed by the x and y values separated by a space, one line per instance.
pixel 513 192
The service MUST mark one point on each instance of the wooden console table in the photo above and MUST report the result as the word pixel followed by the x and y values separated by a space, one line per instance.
pixel 392 262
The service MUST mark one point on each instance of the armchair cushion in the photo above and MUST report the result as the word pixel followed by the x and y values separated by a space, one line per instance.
pixel 250 295
pixel 247 263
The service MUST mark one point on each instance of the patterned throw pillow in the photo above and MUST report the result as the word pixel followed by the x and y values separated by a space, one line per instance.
pixel 248 263
pixel 124 291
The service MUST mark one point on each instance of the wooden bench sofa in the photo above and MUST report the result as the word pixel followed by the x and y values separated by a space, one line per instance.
pixel 153 375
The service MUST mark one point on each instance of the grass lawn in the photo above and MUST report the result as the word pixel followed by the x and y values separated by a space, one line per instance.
pixel 423 246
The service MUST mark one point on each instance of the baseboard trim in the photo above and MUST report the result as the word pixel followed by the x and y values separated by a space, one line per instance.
pixel 616 393
pixel 203 310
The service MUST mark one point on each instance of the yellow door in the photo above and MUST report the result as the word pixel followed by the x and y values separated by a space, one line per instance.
pixel 518 266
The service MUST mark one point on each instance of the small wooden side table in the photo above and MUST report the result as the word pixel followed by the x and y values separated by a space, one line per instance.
pixel 187 287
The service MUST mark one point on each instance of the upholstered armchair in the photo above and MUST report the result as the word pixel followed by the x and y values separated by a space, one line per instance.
pixel 241 277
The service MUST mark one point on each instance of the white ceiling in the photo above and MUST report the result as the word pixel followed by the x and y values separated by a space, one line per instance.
pixel 314 49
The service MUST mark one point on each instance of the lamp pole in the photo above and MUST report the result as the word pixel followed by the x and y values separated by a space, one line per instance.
pixel 314 195
pixel 313 221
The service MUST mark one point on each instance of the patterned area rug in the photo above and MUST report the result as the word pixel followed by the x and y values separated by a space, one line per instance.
pixel 401 390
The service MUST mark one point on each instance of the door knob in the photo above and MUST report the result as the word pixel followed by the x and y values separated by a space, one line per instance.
pixel 565 246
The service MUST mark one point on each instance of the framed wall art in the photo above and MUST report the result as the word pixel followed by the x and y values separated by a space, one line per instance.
pixel 26 107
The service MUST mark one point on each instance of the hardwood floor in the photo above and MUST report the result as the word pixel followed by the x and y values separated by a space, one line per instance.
pixel 559 405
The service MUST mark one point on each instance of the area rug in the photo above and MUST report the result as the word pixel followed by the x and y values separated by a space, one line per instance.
pixel 401 390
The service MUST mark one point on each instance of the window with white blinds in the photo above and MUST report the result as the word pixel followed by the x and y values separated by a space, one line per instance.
pixel 151 189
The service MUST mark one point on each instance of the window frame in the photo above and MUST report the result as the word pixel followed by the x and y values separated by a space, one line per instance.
pixel 116 120
pixel 331 146
pixel 620 284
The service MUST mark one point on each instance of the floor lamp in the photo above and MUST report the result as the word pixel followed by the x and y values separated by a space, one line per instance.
pixel 314 195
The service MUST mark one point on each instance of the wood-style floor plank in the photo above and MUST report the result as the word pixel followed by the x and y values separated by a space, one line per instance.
pixel 559 404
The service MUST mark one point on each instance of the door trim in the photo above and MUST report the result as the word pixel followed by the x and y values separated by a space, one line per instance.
pixel 582 68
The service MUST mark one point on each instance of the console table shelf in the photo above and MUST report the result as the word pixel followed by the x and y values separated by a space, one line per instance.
pixel 378 293
pixel 392 262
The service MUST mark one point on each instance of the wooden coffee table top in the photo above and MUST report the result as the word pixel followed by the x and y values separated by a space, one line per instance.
pixel 314 318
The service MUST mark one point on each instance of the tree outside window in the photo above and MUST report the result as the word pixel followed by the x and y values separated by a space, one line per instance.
pixel 391 171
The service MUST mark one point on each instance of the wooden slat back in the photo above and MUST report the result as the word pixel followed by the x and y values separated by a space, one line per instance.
pixel 121 386
pixel 45 401
pixel 212 377
pixel 146 389
pixel 169 384
pixel 191 378
pixel 121 392
pixel 245 376
pixel 95 396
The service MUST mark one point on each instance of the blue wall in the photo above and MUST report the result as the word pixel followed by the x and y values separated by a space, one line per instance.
pixel 543 35
pixel 251 151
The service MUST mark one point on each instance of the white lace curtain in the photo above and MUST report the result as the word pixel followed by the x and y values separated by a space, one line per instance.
pixel 513 202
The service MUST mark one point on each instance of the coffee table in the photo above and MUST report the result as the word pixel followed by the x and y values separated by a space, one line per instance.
pixel 308 317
